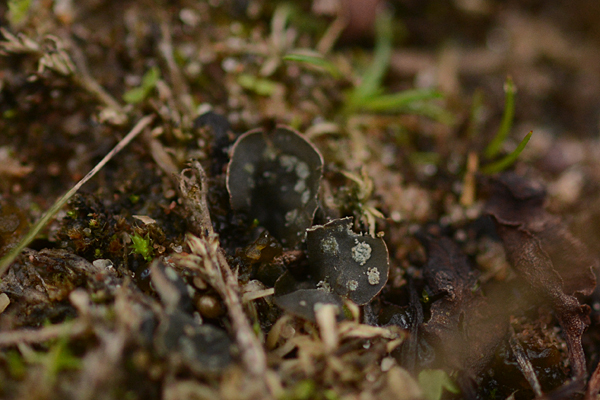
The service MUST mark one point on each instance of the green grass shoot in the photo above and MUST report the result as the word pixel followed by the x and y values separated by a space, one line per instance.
pixel 415 101
pixel 508 160
pixel 368 94
pixel 138 94
pixel 507 120
pixel 372 79
pixel 316 60
pixel 399 101
pixel 260 86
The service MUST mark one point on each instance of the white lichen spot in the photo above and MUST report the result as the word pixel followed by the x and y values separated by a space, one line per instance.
pixel 291 217
pixel 373 276
pixel 352 285
pixel 270 153
pixel 330 246
pixel 305 197
pixel 249 168
pixel 302 170
pixel 324 286
pixel 300 186
pixel 288 162
pixel 361 252
pixel 302 303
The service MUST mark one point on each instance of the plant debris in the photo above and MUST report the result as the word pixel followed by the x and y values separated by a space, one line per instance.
pixel 464 328
pixel 546 255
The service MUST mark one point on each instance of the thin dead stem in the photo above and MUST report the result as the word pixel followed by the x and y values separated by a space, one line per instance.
pixel 70 329
pixel 524 363
pixel 218 272
pixel 177 80
pixel 84 79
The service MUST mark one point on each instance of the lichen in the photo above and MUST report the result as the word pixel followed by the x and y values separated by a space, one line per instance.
pixel 361 252
pixel 330 246
pixel 352 285
pixel 373 276
pixel 324 286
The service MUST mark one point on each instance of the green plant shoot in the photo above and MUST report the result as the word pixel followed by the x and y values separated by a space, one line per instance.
pixel 18 10
pixel 372 79
pixel 316 60
pixel 399 101
pixel 509 160
pixel 138 94
pixel 260 86
pixel 433 382
pixel 142 246
pixel 507 120
pixel 368 94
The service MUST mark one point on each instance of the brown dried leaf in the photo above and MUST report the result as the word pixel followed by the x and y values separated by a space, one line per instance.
pixel 464 327
pixel 517 201
pixel 545 254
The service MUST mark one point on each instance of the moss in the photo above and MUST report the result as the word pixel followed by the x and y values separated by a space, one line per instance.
pixel 142 245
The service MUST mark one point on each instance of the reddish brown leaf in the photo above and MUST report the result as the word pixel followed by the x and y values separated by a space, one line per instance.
pixel 464 328
pixel 545 254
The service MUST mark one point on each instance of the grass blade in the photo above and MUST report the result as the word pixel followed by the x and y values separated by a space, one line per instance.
pixel 373 76
pixel 315 60
pixel 507 119
pixel 507 161
pixel 10 257
pixel 397 101
pixel 260 86
pixel 432 111
pixel 475 118
pixel 138 94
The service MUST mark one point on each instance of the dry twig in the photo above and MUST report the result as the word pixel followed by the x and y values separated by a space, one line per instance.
pixel 214 266
pixel 70 329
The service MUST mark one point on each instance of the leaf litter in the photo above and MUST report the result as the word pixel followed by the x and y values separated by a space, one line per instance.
pixel 546 255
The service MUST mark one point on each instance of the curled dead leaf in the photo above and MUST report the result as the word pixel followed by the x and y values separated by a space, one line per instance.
pixel 465 328
pixel 542 250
